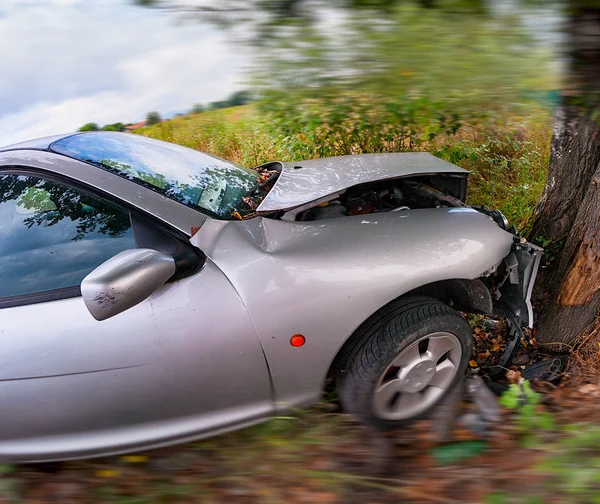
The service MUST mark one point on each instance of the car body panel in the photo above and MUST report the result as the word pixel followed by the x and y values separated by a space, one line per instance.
pixel 37 143
pixel 305 181
pixel 169 368
pixel 322 279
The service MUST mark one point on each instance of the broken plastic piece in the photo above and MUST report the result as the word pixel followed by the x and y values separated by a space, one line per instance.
pixel 446 413
pixel 484 398
pixel 474 422
pixel 515 333
pixel 548 370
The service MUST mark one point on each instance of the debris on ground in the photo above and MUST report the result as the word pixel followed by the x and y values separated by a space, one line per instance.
pixel 484 398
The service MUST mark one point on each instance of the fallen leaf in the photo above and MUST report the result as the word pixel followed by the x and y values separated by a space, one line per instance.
pixel 589 389
pixel 473 363
pixel 513 376
pixel 134 459
pixel 107 473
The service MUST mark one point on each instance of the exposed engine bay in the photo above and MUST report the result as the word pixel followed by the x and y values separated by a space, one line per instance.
pixel 415 192
pixel 376 197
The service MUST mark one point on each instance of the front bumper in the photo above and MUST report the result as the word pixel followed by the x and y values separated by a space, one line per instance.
pixel 516 279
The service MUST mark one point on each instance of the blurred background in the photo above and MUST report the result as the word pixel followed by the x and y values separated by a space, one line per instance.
pixel 472 81
pixel 475 82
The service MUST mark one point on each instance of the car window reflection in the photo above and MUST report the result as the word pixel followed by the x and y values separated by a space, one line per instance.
pixel 185 175
pixel 52 236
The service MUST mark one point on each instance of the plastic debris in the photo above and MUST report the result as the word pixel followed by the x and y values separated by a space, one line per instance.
pixel 484 398
pixel 474 422
pixel 446 413
pixel 548 370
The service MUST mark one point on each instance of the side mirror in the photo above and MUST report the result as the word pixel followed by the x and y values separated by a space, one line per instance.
pixel 124 281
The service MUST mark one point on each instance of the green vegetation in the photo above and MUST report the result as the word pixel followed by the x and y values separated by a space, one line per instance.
pixel 153 118
pixel 464 81
pixel 89 127
pixel 529 419
pixel 508 163
pixel 118 126
pixel 574 462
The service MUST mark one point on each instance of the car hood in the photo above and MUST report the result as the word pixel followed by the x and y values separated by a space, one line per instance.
pixel 302 182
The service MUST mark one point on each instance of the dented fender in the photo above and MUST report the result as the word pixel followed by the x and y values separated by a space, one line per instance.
pixel 322 279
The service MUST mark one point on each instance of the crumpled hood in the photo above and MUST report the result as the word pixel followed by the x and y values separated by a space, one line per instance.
pixel 302 182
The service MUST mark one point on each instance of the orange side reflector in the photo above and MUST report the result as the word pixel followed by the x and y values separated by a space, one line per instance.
pixel 297 340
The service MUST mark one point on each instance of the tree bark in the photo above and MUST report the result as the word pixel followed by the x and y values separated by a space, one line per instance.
pixel 568 291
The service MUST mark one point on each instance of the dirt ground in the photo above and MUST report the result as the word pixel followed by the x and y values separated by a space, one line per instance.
pixel 322 455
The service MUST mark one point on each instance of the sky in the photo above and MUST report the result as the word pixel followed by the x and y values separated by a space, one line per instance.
pixel 64 63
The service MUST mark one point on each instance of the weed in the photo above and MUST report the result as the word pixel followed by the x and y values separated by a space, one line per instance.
pixel 507 161
pixel 552 248
pixel 573 463
pixel 525 401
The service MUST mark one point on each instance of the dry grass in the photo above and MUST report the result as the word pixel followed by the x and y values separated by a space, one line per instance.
pixel 586 355
pixel 508 161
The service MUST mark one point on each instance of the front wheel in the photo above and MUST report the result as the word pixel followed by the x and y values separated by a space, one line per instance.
pixel 405 363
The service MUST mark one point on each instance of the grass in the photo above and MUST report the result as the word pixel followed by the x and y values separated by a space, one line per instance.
pixel 508 163
pixel 320 456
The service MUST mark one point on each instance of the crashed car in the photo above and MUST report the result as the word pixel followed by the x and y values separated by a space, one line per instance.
pixel 151 294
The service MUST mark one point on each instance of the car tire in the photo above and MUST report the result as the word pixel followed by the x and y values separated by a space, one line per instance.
pixel 405 362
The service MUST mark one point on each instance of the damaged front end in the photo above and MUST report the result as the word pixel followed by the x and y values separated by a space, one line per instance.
pixel 511 282
pixel 345 186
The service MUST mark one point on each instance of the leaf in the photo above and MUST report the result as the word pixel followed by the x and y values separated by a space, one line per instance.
pixel 497 498
pixel 532 499
pixel 134 459
pixel 513 376
pixel 456 452
pixel 531 396
pixel 510 398
pixel 6 468
pixel 546 421
pixel 107 473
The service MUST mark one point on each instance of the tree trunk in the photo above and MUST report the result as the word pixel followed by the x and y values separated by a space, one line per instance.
pixel 568 291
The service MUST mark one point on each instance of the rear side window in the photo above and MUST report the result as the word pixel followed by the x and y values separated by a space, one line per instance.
pixel 52 236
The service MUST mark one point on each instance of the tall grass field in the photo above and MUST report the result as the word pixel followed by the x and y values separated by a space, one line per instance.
pixel 507 159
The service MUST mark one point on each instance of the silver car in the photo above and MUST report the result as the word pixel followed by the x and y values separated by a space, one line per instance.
pixel 152 294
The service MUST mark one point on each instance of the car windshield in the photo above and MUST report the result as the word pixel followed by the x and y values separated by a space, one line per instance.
pixel 191 177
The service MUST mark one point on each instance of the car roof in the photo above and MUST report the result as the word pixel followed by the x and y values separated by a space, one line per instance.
pixel 37 143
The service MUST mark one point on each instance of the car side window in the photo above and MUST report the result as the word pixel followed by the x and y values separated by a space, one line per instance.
pixel 52 236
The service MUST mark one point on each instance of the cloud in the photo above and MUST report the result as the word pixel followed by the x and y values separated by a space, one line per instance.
pixel 68 62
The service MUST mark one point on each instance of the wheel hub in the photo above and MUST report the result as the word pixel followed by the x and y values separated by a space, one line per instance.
pixel 418 376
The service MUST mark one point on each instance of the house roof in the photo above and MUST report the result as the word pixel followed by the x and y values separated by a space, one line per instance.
pixel 136 125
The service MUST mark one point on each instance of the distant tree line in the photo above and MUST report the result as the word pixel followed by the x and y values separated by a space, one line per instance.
pixel 109 127
pixel 236 99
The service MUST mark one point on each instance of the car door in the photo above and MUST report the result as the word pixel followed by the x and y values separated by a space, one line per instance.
pixel 183 363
